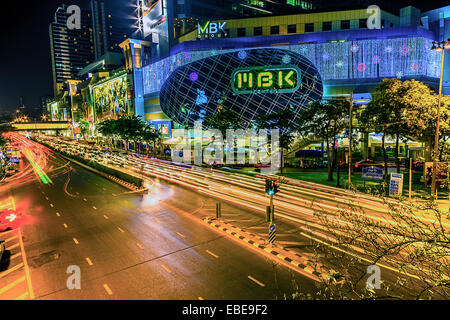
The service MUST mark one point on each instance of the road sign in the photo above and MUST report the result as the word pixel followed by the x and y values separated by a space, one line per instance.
pixel 396 185
pixel 272 233
pixel 372 173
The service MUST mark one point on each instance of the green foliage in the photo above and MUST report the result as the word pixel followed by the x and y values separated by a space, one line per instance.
pixel 281 120
pixel 223 120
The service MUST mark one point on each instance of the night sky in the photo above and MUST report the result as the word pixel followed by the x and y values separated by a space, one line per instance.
pixel 25 49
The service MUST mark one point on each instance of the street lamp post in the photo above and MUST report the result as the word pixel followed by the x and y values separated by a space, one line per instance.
pixel 439 46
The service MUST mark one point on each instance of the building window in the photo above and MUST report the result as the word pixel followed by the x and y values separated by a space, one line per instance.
pixel 257 31
pixel 345 24
pixel 326 26
pixel 382 23
pixel 362 23
pixel 309 27
pixel 241 32
pixel 292 28
pixel 275 30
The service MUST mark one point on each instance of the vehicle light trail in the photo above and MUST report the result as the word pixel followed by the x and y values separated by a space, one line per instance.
pixel 37 169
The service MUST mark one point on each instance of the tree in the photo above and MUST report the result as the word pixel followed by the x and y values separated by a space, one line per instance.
pixel 416 250
pixel 223 120
pixel 149 135
pixel 325 119
pixel 281 120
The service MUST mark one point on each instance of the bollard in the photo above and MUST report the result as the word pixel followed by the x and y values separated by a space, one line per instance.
pixel 218 210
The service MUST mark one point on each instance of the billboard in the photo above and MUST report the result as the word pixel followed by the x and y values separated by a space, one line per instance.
pixel 111 99
pixel 155 25
pixel 372 172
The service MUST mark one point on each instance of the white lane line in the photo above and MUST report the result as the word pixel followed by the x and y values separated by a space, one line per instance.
pixel 107 289
pixel 256 281
pixel 215 256
pixel 120 229
pixel 165 268
pixel 139 245
pixel 94 207
pixel 75 240
pixel 43 192
pixel 89 261
pixel 105 216
pixel 181 235
pixel 57 214
pixel 200 298
pixel 65 225
pixel 51 205
pixel 84 199
pixel 46 198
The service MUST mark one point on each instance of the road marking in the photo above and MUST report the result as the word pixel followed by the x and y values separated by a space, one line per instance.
pixel 89 261
pixel 108 290
pixel 256 281
pixel 106 217
pixel 139 245
pixel 12 284
pixel 58 214
pixel 12 247
pixel 181 235
pixel 215 256
pixel 46 198
pixel 51 205
pixel 11 238
pixel 120 229
pixel 27 270
pixel 22 296
pixel 65 225
pixel 165 268
pixel 43 192
pixel 94 207
pixel 75 240
pixel 4 273
pixel 84 199
pixel 15 256
pixel 200 298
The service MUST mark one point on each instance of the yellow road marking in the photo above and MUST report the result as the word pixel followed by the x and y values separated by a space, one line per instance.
pixel 215 256
pixel 22 296
pixel 16 267
pixel 140 245
pixel 89 261
pixel 108 290
pixel 15 256
pixel 65 225
pixel 27 270
pixel 46 198
pixel 167 269
pixel 51 205
pixel 84 199
pixel 256 281
pixel 58 214
pixel 120 229
pixel 13 246
pixel 200 298
pixel 105 216
pixel 11 238
pixel 181 235
pixel 12 284
pixel 75 240
pixel 94 207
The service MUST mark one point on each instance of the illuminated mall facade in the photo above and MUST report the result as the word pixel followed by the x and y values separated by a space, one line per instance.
pixel 262 64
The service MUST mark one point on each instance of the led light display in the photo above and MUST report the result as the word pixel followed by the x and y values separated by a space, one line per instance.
pixel 277 79
pixel 110 98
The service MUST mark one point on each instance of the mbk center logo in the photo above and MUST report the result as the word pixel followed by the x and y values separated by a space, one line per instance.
pixel 211 29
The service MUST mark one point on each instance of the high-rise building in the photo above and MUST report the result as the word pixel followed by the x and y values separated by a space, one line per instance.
pixel 74 49
pixel 71 49
pixel 107 33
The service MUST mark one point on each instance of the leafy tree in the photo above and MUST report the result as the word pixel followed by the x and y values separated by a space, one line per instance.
pixel 281 120
pixel 325 119
pixel 223 120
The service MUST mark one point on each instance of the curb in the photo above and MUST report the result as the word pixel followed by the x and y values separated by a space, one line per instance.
pixel 272 251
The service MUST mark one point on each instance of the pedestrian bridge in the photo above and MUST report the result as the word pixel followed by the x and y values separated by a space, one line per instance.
pixel 31 126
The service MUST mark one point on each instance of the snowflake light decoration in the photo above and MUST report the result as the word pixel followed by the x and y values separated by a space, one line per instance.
pixel 242 55
pixel 286 59
pixel 361 67
pixel 193 76
pixel 376 59
pixel 354 48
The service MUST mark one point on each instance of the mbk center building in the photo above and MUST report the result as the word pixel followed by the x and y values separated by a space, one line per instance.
pixel 264 64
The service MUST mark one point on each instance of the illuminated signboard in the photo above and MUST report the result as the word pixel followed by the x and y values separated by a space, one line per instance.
pixel 280 79
pixel 211 29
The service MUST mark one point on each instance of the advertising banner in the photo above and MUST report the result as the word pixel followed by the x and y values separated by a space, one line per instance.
pixel 396 185
pixel 372 173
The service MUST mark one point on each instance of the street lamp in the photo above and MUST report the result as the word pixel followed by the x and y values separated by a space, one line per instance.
pixel 438 46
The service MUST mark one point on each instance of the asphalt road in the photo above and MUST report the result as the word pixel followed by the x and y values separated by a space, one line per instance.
pixel 130 246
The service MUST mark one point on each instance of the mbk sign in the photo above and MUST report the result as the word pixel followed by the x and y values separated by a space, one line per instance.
pixel 211 29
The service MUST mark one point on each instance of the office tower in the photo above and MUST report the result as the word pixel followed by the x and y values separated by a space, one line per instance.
pixel 71 49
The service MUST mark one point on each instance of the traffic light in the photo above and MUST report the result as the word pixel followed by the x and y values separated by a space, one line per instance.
pixel 276 184
pixel 269 187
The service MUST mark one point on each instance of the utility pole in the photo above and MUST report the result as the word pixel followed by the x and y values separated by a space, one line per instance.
pixel 350 141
